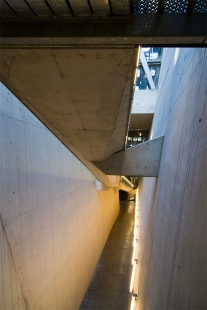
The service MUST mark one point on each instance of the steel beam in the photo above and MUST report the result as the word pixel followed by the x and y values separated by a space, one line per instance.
pixel 142 160
pixel 144 29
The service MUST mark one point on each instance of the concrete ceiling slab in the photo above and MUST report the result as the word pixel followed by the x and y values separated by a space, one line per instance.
pixel 62 8
pixel 82 95
pixel 21 8
pixel 100 7
pixel 141 121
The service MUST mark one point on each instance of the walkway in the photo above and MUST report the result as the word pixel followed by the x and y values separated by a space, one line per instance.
pixel 109 287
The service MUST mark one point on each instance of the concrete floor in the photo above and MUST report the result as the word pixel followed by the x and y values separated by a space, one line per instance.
pixel 109 287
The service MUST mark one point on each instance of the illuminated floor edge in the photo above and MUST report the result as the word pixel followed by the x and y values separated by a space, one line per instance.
pixel 109 287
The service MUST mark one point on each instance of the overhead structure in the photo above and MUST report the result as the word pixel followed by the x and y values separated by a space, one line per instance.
pixel 82 95
pixel 140 160
pixel 91 8
pixel 62 8
pixel 87 22
pixel 72 63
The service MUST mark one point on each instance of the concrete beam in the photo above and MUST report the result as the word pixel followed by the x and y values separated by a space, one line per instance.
pixel 144 29
pixel 141 160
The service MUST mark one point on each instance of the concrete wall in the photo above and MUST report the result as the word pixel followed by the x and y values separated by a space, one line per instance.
pixel 54 223
pixel 172 269
pixel 144 101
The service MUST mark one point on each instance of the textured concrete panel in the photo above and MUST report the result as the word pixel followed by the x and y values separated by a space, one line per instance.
pixel 53 222
pixel 172 219
pixel 81 95
pixel 140 160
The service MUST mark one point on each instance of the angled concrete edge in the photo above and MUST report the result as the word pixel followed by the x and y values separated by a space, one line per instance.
pixel 141 160
pixel 119 184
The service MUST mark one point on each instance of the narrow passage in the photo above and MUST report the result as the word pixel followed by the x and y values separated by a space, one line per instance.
pixel 109 287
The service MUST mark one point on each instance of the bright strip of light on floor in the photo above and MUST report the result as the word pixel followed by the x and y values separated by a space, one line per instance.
pixel 135 229
pixel 135 242
pixel 133 274
pixel 134 298
pixel 134 254
pixel 134 261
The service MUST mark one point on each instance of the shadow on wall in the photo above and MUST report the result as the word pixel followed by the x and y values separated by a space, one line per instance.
pixel 123 196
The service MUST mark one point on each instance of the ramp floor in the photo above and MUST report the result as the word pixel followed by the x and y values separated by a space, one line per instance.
pixel 109 287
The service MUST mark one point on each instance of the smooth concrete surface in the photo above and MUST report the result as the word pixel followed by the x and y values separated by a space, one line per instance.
pixel 144 101
pixel 143 108
pixel 140 160
pixel 109 287
pixel 53 222
pixel 141 121
pixel 172 269
pixel 82 95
